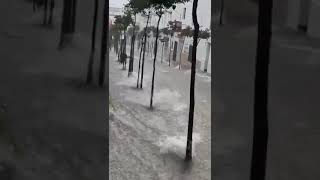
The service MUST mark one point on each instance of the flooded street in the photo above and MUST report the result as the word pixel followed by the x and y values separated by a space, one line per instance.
pixel 150 144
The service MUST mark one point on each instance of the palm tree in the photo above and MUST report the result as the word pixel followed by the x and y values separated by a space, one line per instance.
pixel 93 40
pixel 260 128
pixel 192 82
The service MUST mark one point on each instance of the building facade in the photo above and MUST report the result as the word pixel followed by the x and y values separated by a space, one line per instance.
pixel 181 47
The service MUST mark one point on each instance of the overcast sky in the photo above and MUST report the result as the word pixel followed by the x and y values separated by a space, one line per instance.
pixel 117 3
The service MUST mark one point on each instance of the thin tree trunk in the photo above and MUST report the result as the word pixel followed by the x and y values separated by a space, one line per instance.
pixel 125 51
pixel 193 73
pixel 144 50
pixel 120 48
pixel 93 42
pixel 94 25
pixel 74 15
pixel 141 49
pixel 65 23
pixel 260 127
pixel 221 12
pixel 102 68
pixel 133 39
pixel 45 11
pixel 154 62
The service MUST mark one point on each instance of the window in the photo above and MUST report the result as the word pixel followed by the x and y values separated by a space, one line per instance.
pixel 184 13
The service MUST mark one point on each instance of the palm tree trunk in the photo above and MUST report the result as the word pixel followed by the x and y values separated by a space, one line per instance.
pixel 144 50
pixel 93 42
pixel 125 50
pixel 154 61
pixel 102 68
pixel 141 49
pixel 133 39
pixel 193 74
pixel 120 48
pixel 260 127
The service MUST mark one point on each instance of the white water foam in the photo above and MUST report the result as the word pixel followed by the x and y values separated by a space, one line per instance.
pixel 177 144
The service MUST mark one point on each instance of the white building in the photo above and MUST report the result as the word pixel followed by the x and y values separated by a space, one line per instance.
pixel 183 13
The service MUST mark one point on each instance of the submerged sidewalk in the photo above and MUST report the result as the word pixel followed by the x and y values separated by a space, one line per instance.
pixel 150 144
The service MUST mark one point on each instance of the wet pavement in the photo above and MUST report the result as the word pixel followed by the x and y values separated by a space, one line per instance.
pixel 147 144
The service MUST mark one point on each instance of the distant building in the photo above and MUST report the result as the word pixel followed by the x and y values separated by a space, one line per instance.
pixel 183 15
pixel 114 11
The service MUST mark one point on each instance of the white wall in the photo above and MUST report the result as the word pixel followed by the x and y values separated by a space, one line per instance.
pixel 204 20
pixel 203 12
